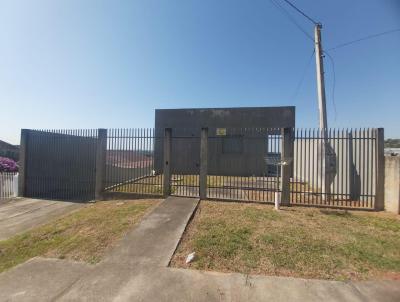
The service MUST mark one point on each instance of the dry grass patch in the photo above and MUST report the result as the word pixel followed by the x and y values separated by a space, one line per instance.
pixel 145 185
pixel 84 235
pixel 299 242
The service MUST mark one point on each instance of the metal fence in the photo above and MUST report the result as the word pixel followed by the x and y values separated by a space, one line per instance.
pixel 337 168
pixel 8 184
pixel 59 164
pixel 185 162
pixel 334 168
pixel 130 166
pixel 241 164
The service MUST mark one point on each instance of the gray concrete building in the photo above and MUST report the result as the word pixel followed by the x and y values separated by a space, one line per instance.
pixel 238 138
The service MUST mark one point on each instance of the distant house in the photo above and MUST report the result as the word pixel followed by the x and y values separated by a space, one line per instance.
pixel 9 150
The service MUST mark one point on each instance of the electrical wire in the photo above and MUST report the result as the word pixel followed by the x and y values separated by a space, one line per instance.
pixel 301 12
pixel 286 13
pixel 365 38
pixel 300 83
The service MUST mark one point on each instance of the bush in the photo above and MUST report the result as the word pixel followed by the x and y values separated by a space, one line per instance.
pixel 8 165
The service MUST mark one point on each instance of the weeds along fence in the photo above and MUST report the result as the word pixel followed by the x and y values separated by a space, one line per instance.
pixel 333 168
pixel 8 184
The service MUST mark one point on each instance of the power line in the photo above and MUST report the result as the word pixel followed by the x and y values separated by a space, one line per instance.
pixel 364 38
pixel 301 12
pixel 334 82
pixel 300 83
pixel 286 13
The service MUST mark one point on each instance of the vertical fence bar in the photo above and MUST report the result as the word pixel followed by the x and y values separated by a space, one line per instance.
pixel 203 162
pixel 362 168
pixel 167 161
pixel 342 161
pixel 286 151
pixel 101 150
pixel 370 169
pixel 380 169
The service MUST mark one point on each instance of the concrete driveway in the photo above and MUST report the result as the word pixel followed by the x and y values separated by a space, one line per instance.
pixel 20 214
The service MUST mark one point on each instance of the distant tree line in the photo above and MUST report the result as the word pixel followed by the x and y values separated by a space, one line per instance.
pixel 392 143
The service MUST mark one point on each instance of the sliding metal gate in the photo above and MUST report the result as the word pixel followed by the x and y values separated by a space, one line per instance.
pixel 60 164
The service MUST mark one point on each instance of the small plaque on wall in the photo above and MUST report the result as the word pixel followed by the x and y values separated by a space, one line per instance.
pixel 221 132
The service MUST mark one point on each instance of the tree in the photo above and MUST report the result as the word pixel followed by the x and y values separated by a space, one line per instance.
pixel 8 165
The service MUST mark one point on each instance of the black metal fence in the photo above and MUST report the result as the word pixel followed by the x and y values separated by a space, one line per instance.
pixel 130 165
pixel 185 162
pixel 60 164
pixel 334 168
pixel 243 164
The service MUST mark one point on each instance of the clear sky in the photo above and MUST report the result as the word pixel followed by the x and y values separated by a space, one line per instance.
pixel 92 63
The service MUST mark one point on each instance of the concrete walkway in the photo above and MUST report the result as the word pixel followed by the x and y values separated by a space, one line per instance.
pixel 137 271
pixel 20 214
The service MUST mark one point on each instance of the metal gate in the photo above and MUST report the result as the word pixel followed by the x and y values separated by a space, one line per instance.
pixel 60 164
pixel 338 168
pixel 185 162
pixel 238 166
pixel 131 163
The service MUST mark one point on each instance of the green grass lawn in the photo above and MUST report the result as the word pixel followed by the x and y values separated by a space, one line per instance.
pixel 84 235
pixel 296 241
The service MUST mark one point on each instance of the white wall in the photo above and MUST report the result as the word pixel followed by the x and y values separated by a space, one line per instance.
pixel 353 164
pixel 8 185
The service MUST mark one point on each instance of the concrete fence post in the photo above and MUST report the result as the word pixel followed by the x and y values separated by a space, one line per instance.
pixel 392 184
pixel 287 152
pixel 380 170
pixel 203 162
pixel 22 162
pixel 101 153
pixel 167 161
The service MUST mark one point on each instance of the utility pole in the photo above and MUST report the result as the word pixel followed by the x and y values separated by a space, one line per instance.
pixel 323 119
pixel 323 122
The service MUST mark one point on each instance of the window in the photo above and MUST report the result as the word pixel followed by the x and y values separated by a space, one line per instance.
pixel 232 145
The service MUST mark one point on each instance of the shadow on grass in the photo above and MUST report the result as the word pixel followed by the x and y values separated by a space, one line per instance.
pixel 337 213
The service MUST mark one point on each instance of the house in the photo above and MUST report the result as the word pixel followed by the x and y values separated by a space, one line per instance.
pixel 9 150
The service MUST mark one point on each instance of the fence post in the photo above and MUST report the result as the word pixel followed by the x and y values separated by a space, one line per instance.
pixel 286 169
pixel 101 151
pixel 22 162
pixel 203 162
pixel 380 170
pixel 167 161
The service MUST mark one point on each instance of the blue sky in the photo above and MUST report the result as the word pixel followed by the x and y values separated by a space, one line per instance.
pixel 90 64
